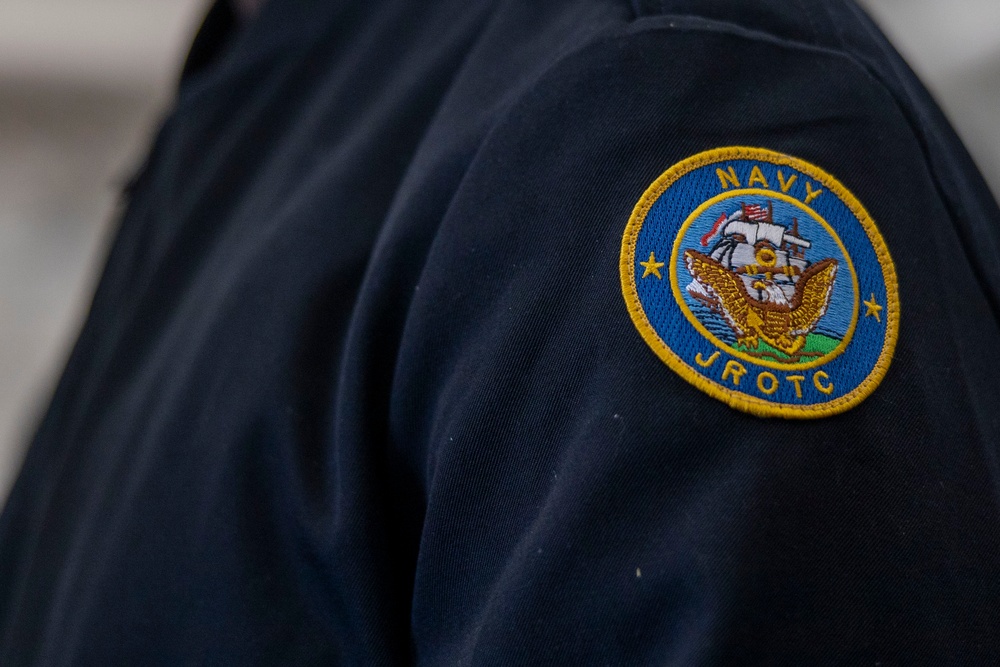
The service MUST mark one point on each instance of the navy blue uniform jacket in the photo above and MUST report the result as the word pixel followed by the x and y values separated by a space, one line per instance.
pixel 358 385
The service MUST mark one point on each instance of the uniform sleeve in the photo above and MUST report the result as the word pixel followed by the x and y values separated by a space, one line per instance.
pixel 584 503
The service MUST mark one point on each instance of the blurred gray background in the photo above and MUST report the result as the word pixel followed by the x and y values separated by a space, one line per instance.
pixel 83 84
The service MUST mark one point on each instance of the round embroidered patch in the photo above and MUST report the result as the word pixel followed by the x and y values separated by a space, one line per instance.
pixel 763 282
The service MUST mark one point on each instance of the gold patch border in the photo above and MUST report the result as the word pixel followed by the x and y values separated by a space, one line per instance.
pixel 756 406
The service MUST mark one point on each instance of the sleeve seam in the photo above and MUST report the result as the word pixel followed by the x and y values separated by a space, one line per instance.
pixel 687 23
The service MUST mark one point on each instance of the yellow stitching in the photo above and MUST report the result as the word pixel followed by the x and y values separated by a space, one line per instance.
pixel 730 177
pixel 652 266
pixel 757 176
pixel 797 381
pixel 772 381
pixel 872 307
pixel 767 257
pixel 810 193
pixel 786 185
pixel 734 369
pixel 818 377
pixel 701 361
pixel 750 404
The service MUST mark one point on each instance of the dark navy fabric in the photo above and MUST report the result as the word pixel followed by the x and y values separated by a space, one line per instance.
pixel 359 386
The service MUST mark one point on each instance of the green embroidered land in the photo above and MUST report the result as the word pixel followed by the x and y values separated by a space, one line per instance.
pixel 817 345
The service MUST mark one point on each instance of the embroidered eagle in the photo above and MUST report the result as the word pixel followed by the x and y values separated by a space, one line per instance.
pixel 781 323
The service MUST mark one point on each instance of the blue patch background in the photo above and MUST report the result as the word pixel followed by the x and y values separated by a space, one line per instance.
pixel 660 228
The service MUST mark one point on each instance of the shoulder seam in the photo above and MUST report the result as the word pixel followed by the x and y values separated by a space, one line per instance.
pixel 688 23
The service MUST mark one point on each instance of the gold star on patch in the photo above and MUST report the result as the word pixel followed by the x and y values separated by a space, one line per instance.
pixel 652 266
pixel 873 309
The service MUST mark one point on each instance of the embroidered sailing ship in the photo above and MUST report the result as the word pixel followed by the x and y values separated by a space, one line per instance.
pixel 757 277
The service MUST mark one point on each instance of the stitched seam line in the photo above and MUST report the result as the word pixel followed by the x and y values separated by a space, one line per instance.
pixel 683 23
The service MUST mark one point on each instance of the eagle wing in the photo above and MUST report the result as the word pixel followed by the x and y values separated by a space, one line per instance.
pixel 725 286
pixel 812 296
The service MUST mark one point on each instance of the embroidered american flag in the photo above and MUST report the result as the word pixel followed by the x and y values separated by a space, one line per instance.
pixel 756 212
